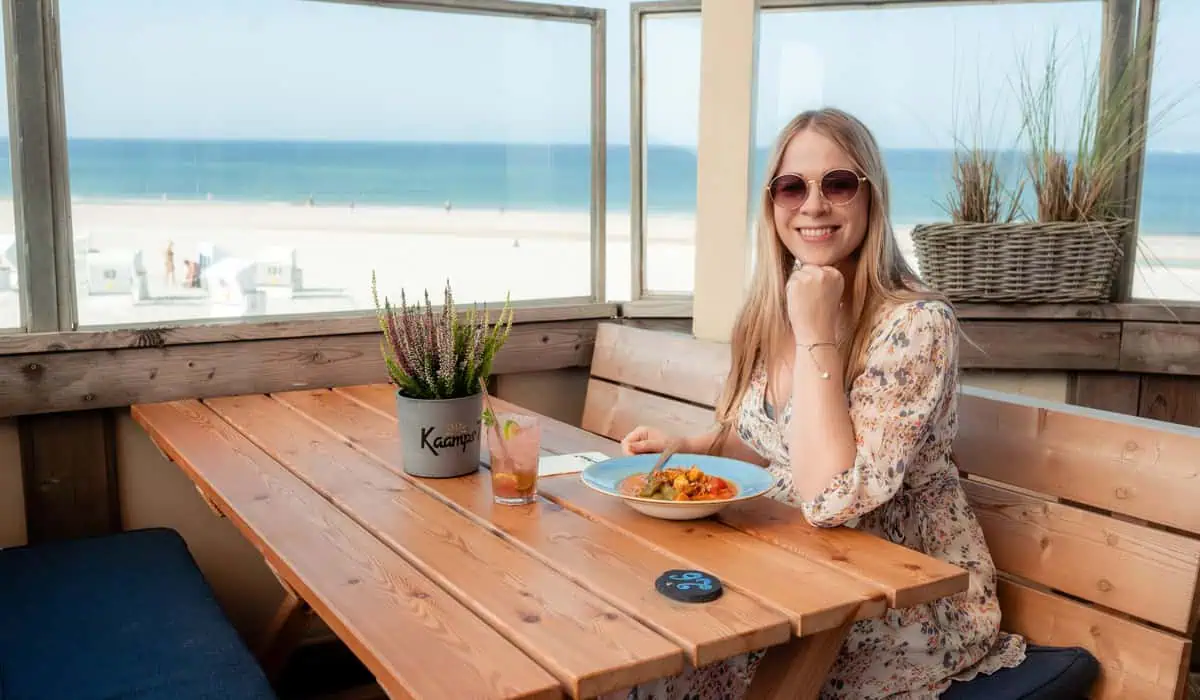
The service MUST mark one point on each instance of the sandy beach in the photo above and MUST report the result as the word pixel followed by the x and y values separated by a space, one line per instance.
pixel 529 254
pixel 485 254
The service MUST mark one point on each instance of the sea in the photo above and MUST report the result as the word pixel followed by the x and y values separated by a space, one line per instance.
pixel 554 177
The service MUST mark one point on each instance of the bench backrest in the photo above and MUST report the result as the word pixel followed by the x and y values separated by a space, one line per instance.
pixel 1092 517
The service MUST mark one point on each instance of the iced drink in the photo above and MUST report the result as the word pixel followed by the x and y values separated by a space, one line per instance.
pixel 514 458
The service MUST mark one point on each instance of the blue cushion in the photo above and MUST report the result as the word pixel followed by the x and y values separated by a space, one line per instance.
pixel 1047 673
pixel 117 617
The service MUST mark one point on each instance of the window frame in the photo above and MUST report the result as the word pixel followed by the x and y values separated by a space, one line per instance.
pixel 40 165
pixel 41 193
pixel 639 12
pixel 1145 30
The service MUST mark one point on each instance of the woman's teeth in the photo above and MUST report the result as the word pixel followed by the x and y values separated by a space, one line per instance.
pixel 817 234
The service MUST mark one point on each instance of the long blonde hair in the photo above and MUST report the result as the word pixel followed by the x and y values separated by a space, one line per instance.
pixel 882 277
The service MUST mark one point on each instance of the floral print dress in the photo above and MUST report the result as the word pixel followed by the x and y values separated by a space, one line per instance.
pixel 903 487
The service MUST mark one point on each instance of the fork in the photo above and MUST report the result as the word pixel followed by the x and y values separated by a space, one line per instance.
pixel 648 486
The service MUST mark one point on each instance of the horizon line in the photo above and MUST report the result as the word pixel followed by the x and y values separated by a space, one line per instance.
pixel 465 142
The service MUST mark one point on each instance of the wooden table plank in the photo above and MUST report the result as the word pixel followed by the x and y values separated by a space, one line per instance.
pixel 625 570
pixel 417 640
pixel 815 597
pixel 617 567
pixel 528 602
pixel 907 577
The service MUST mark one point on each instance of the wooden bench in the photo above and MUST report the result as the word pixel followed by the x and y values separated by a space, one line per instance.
pixel 1092 517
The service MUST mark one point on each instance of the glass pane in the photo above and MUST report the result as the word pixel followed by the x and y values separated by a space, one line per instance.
pixel 672 121
pixel 234 159
pixel 924 79
pixel 10 300
pixel 1168 263
pixel 618 281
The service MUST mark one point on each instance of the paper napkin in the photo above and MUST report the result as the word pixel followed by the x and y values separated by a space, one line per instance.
pixel 568 463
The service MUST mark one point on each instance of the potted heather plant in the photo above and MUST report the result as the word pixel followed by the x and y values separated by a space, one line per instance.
pixel 435 360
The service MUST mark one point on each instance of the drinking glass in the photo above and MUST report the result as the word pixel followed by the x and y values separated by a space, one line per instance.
pixel 514 458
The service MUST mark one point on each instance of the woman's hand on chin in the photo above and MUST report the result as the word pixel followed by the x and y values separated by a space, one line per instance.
pixel 813 295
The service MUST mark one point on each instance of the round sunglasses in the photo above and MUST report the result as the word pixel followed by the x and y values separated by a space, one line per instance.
pixel 839 187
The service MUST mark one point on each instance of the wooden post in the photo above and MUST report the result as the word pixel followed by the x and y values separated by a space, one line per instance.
pixel 1130 34
pixel 728 61
pixel 41 190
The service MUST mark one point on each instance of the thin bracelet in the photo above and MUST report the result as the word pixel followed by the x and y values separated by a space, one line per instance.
pixel 809 346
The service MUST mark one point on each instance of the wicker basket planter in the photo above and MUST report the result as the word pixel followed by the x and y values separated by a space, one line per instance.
pixel 1025 262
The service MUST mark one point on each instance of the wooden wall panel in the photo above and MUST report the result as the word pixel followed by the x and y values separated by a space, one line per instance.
pixel 70 473
pixel 12 486
pixel 1041 345
pixel 1171 399
pixel 66 381
pixel 1106 391
pixel 263 328
pixel 1175 312
pixel 1169 348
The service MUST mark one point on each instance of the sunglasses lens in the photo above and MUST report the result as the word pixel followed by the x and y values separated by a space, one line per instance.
pixel 789 191
pixel 839 186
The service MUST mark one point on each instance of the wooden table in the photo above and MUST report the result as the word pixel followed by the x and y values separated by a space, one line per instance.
pixel 443 594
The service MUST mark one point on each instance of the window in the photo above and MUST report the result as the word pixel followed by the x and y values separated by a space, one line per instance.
pixel 922 79
pixel 232 159
pixel 670 122
pixel 10 295
pixel 1168 261
pixel 617 271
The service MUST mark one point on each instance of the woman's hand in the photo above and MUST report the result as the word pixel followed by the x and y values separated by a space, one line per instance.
pixel 644 439
pixel 813 295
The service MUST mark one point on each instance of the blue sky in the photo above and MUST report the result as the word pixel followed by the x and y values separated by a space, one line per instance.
pixel 302 69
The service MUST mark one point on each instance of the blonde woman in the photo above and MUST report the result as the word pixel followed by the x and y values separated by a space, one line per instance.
pixel 843 385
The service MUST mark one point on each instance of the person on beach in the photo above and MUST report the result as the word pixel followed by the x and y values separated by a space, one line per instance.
pixel 169 263
pixel 843 385
pixel 191 276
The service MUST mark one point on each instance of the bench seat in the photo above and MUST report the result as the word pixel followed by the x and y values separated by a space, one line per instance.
pixel 117 617
pixel 1047 672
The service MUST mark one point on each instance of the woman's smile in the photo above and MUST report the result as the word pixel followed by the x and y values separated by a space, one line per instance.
pixel 817 234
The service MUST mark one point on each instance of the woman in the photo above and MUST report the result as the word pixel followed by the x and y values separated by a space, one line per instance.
pixel 843 384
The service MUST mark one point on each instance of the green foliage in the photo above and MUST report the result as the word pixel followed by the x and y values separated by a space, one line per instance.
pixel 980 194
pixel 1083 181
pixel 489 419
pixel 438 355
pixel 1075 179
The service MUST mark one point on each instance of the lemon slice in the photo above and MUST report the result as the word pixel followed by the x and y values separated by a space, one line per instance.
pixel 526 481
pixel 511 428
pixel 504 480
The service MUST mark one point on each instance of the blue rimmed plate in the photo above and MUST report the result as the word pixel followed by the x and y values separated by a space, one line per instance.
pixel 750 480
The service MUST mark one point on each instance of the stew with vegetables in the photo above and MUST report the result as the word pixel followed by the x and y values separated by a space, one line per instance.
pixel 677 484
